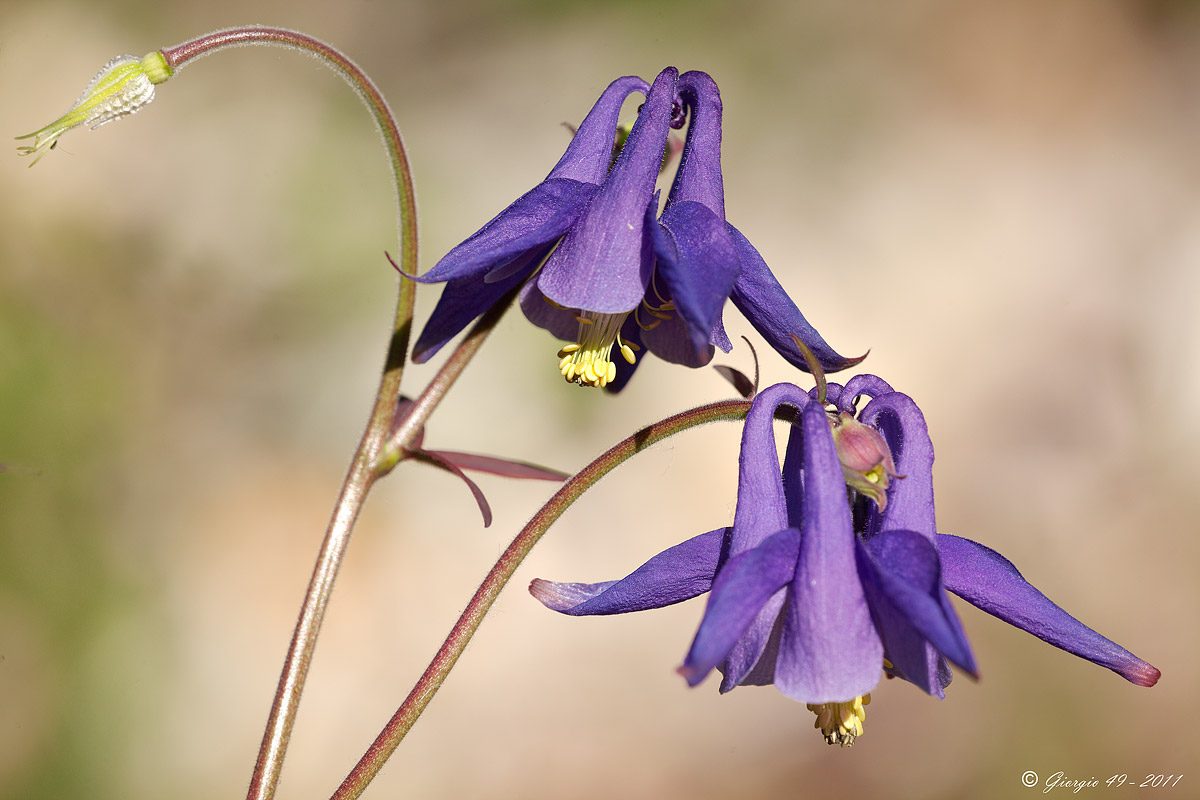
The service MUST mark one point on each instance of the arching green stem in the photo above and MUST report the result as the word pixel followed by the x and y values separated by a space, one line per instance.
pixel 435 674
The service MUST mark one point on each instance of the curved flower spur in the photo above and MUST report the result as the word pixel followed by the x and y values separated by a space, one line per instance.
pixel 820 589
pixel 613 276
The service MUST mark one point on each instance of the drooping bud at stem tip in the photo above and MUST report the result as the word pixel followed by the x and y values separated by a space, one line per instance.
pixel 123 87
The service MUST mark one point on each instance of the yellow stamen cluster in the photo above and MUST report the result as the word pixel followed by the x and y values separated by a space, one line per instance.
pixel 587 362
pixel 841 723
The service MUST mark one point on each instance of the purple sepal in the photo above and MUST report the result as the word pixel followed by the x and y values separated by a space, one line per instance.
pixel 462 301
pixel 674 575
pixel 697 262
pixel 988 580
pixel 902 577
pixel 760 298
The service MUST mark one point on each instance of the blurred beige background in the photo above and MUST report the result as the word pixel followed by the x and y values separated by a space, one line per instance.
pixel 1000 200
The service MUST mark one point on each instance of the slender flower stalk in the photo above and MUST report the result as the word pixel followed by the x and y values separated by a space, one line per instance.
pixel 127 84
pixel 460 635
pixel 364 469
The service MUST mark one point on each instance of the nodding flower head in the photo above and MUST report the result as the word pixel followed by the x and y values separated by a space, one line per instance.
pixel 821 591
pixel 502 254
pixel 123 87
pixel 601 271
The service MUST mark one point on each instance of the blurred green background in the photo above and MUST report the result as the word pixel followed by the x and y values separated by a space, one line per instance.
pixel 1000 200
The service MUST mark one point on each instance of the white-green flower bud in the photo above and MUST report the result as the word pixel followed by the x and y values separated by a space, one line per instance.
pixel 123 87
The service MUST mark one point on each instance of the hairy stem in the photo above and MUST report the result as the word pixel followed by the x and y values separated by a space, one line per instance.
pixel 364 468
pixel 406 429
pixel 439 668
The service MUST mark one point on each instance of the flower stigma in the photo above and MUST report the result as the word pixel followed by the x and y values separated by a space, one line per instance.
pixel 841 723
pixel 588 362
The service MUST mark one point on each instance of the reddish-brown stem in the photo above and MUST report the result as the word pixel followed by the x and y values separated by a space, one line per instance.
pixel 364 468
pixel 435 674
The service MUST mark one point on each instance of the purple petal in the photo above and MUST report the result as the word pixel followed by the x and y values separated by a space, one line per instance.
pixel 674 575
pixel 562 323
pixel 741 589
pixel 667 333
pixel 793 477
pixel 909 499
pixel 988 580
pixel 719 337
pixel 696 256
pixel 761 511
pixel 761 505
pixel 536 219
pixel 902 578
pixel 760 298
pixel 858 386
pixel 705 265
pixel 751 660
pixel 462 300
pixel 603 263
pixel 699 177
pixel 830 650
pixel 696 259
pixel 588 156
pixel 673 340
pixel 544 213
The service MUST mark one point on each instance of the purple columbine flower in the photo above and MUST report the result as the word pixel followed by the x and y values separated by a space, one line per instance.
pixel 613 276
pixel 701 260
pixel 505 251
pixel 819 589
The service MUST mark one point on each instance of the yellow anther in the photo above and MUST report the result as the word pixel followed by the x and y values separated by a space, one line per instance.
pixel 841 723
pixel 651 326
pixel 588 361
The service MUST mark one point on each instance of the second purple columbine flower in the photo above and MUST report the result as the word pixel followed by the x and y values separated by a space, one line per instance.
pixel 606 273
pixel 833 572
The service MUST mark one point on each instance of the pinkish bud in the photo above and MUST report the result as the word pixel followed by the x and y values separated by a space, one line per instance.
pixel 866 460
